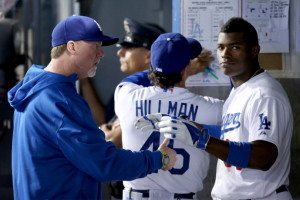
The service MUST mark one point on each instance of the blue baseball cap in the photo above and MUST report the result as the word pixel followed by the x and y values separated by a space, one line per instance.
pixel 195 47
pixel 170 53
pixel 80 28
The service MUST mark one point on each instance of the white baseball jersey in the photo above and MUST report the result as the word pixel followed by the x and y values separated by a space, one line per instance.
pixel 259 109
pixel 133 101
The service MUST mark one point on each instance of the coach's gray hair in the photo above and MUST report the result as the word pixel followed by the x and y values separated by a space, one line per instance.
pixel 58 50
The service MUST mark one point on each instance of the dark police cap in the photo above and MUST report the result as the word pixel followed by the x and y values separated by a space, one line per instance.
pixel 140 35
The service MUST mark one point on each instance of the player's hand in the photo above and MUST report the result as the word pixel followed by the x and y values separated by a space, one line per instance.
pixel 199 63
pixel 148 122
pixel 183 130
pixel 170 161
pixel 176 128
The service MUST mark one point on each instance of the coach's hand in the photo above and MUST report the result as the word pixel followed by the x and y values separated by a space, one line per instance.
pixel 183 130
pixel 168 155
pixel 148 122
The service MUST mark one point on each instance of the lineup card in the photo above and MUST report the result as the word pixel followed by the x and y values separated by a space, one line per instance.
pixel 202 20
pixel 271 20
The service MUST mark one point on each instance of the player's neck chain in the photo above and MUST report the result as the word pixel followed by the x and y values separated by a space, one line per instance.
pixel 260 70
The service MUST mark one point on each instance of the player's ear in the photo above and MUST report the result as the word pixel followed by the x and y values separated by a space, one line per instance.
pixel 71 46
pixel 255 50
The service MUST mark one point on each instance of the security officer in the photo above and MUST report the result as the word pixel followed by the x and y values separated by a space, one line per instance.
pixel 134 53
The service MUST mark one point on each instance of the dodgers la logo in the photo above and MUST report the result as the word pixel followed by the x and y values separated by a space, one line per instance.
pixel 264 124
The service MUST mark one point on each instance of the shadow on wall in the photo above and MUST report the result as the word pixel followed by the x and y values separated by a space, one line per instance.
pixel 6 191
pixel 294 95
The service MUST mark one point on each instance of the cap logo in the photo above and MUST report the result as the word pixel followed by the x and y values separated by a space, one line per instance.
pixel 128 39
pixel 98 25
pixel 159 69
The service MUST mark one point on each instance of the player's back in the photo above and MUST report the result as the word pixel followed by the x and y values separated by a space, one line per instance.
pixel 192 164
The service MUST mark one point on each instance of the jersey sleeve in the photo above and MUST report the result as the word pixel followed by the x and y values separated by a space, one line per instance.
pixel 210 111
pixel 122 95
pixel 127 85
pixel 267 120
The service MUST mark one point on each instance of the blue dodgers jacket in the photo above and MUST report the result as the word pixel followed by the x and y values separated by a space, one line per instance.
pixel 58 152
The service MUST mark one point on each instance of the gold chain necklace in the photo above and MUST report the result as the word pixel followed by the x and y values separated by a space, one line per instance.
pixel 257 72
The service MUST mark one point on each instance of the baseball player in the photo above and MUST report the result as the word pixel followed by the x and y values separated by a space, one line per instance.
pixel 170 58
pixel 254 153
